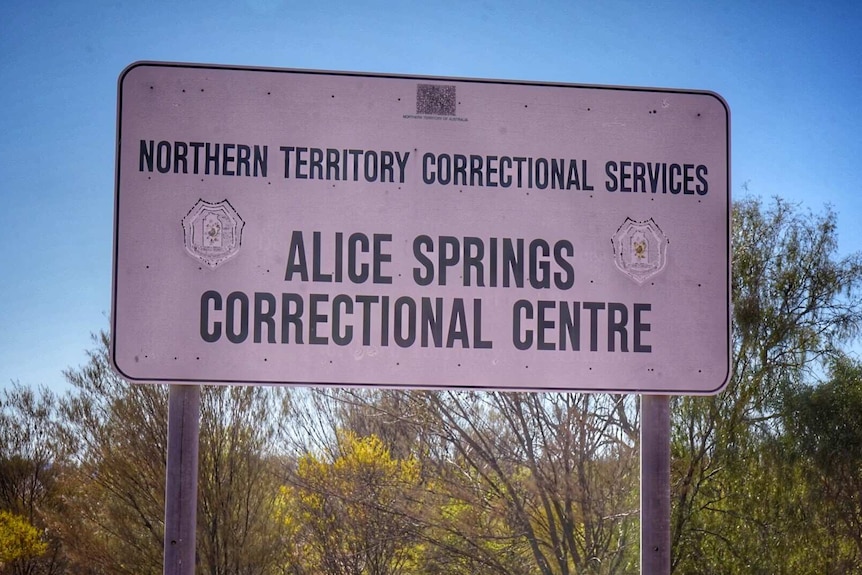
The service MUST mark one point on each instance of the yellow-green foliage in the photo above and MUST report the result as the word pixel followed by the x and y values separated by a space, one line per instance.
pixel 350 509
pixel 18 539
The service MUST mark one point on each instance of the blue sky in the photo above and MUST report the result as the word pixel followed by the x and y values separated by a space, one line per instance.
pixel 790 72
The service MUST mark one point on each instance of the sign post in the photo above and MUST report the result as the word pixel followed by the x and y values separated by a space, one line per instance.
pixel 655 484
pixel 299 227
pixel 181 485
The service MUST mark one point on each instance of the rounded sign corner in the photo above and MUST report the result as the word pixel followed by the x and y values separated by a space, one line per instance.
pixel 132 67
pixel 720 99
pixel 115 365
pixel 723 385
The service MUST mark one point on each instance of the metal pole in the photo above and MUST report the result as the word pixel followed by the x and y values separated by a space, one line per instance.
pixel 181 488
pixel 655 485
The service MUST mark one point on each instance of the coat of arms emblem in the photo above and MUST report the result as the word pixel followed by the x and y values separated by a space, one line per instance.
pixel 640 249
pixel 212 232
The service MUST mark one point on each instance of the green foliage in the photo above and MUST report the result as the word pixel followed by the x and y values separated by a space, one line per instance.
pixel 116 437
pixel 794 307
pixel 824 435
pixel 31 472
pixel 237 482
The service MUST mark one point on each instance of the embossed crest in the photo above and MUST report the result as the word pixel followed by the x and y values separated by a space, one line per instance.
pixel 640 249
pixel 212 232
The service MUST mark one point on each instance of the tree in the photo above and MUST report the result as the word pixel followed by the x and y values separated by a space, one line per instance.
pixel 31 467
pixel 824 440
pixel 116 433
pixel 513 483
pixel 794 307
pixel 560 470
pixel 19 542
pixel 238 486
pixel 766 475
pixel 351 511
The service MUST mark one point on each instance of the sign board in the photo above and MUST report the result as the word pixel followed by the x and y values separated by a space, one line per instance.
pixel 329 228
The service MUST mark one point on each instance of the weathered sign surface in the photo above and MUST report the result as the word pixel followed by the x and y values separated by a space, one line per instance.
pixel 301 227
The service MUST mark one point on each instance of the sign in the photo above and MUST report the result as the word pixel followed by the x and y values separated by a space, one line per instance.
pixel 330 228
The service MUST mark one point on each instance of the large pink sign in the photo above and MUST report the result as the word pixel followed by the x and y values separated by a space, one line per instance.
pixel 300 227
